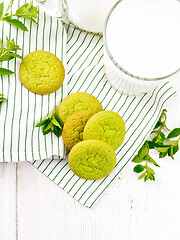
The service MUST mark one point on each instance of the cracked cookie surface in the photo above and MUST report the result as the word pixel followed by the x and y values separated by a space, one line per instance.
pixel 73 128
pixel 41 72
pixel 92 159
pixel 77 102
pixel 107 126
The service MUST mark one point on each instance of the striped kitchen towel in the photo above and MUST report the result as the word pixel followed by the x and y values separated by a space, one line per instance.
pixel 140 113
pixel 20 140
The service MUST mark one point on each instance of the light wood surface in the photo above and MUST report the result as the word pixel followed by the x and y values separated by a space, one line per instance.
pixel 34 208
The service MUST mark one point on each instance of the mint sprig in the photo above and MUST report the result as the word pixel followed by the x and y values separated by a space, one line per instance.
pixel 27 11
pixel 51 123
pixel 7 53
pixel 164 145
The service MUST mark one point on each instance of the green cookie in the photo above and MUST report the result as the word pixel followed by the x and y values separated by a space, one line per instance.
pixel 107 126
pixel 92 159
pixel 73 128
pixel 41 72
pixel 77 102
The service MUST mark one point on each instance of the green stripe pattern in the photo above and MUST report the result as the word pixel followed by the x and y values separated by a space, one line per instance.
pixel 20 140
pixel 140 113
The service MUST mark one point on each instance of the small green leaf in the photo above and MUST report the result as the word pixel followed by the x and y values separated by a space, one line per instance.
pixel 27 11
pixel 144 150
pixel 4 55
pixel 151 177
pixel 11 45
pixel 16 23
pixel 138 168
pixel 55 122
pixel 41 123
pixel 59 120
pixel 14 55
pixel 142 175
pixel 146 177
pixel 4 71
pixel 57 131
pixel 162 154
pixel 151 144
pixel 48 128
pixel 162 149
pixel 170 152
pixel 1 9
pixel 137 159
pixel 175 133
pixel 150 170
pixel 153 161
pixel 175 149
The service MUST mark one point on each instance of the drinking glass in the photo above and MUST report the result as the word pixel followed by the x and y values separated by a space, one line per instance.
pixel 121 79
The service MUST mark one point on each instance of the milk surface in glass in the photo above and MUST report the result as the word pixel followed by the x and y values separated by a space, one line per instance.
pixel 142 39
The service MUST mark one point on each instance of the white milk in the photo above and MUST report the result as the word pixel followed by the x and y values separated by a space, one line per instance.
pixel 142 44
pixel 89 15
pixel 144 38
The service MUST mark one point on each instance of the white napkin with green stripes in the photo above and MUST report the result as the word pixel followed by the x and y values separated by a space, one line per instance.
pixel 20 140
pixel 85 73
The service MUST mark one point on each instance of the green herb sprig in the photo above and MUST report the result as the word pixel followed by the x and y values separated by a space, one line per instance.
pixel 51 123
pixel 7 53
pixel 164 145
pixel 2 99
pixel 26 11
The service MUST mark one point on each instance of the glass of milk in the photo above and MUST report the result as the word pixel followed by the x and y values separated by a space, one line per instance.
pixel 142 44
pixel 89 15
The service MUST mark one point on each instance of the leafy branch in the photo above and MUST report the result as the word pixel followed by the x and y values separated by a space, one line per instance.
pixel 7 53
pixel 164 145
pixel 51 123
pixel 26 11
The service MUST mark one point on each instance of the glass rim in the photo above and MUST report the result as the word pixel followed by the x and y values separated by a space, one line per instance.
pixel 114 61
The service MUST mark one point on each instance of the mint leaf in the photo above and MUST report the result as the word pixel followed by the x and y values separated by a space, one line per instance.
pixel 4 55
pixel 11 45
pixel 175 133
pixel 137 159
pixel 1 9
pixel 52 123
pixel 144 150
pixel 150 170
pixel 14 55
pixel 27 11
pixel 138 168
pixel 41 123
pixel 153 161
pixel 4 71
pixel 16 23
pixel 142 175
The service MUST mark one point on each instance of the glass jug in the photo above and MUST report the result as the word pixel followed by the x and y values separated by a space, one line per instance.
pixel 88 15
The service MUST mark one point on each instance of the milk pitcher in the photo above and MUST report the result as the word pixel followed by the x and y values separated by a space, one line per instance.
pixel 89 15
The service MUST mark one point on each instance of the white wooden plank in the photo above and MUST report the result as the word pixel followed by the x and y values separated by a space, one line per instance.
pixel 7 201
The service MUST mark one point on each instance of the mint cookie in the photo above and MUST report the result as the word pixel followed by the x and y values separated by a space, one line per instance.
pixel 77 102
pixel 73 128
pixel 92 159
pixel 41 72
pixel 107 126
